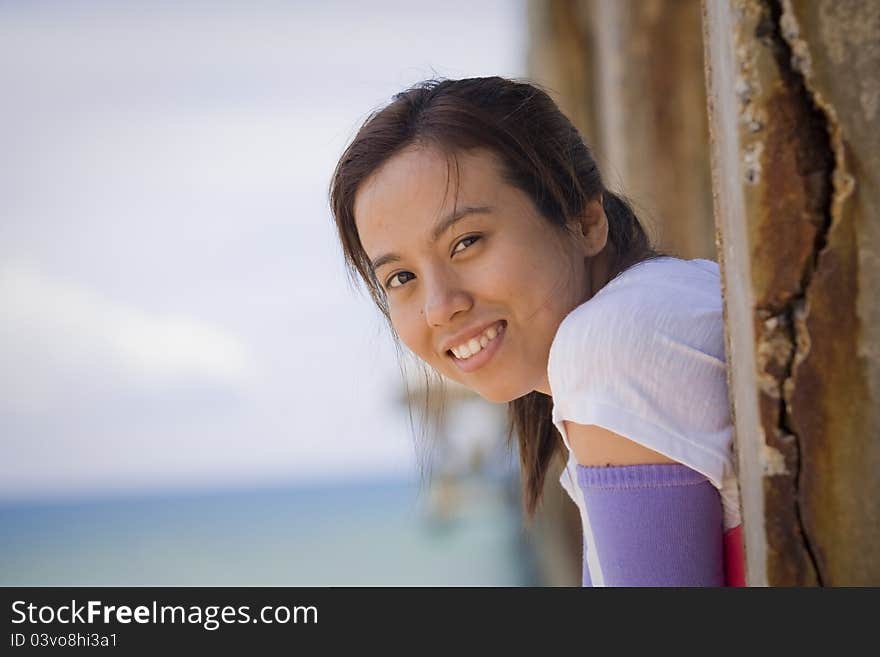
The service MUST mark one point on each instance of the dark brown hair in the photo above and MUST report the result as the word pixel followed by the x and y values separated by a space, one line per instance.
pixel 540 152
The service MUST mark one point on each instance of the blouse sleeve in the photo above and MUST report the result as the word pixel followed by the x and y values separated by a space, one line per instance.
pixel 650 367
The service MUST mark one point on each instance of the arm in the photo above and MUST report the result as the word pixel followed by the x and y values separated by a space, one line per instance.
pixel 594 445
pixel 655 522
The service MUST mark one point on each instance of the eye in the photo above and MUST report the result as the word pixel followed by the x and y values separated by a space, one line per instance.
pixel 472 238
pixel 390 281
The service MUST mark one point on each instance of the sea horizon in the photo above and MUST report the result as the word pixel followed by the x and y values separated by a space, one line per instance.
pixel 368 532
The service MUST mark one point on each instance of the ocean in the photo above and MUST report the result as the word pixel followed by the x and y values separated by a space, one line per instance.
pixel 365 534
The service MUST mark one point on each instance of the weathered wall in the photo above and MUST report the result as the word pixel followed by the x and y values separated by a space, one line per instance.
pixel 794 100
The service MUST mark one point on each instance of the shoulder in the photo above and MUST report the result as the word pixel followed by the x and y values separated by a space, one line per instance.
pixel 654 287
pixel 643 310
pixel 644 359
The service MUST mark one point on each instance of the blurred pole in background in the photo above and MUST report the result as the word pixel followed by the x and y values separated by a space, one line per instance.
pixel 630 76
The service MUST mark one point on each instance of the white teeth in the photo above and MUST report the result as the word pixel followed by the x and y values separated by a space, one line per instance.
pixel 476 345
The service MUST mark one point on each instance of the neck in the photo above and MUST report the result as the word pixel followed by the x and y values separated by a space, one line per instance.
pixel 600 269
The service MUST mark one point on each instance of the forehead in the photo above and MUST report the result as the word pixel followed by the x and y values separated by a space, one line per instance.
pixel 410 191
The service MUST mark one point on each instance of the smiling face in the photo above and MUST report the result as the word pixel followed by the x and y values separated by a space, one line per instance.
pixel 477 281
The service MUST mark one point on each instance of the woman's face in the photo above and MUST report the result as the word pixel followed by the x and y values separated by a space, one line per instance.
pixel 476 285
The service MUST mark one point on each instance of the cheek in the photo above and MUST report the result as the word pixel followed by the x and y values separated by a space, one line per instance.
pixel 411 329
pixel 528 278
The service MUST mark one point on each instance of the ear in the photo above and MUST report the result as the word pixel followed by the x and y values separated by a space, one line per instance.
pixel 592 227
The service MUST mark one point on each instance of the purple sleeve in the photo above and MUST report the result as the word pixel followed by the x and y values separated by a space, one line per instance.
pixel 654 525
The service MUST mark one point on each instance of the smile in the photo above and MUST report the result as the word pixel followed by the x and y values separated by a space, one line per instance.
pixel 477 351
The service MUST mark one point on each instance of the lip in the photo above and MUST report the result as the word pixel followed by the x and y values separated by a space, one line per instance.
pixel 486 353
pixel 464 336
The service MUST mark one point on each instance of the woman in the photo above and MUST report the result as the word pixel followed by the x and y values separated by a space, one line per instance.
pixel 476 216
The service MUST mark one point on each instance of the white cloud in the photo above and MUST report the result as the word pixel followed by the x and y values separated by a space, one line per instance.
pixel 54 331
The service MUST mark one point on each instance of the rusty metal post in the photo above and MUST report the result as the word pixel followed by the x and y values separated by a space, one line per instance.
pixel 794 97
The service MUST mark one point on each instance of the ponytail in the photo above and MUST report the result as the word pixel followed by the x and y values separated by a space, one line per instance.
pixel 625 232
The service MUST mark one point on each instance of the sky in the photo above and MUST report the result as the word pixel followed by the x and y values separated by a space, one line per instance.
pixel 174 311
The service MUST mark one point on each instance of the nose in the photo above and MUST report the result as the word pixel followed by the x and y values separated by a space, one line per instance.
pixel 444 298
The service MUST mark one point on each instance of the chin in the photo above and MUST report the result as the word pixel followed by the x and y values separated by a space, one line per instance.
pixel 499 396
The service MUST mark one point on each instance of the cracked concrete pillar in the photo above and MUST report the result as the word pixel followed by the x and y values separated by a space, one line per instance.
pixel 794 97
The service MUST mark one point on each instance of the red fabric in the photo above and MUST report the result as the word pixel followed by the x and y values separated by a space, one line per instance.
pixel 734 557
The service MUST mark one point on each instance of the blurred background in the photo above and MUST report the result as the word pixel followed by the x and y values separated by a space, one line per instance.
pixel 192 393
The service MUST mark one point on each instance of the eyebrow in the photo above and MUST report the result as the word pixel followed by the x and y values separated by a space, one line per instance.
pixel 441 227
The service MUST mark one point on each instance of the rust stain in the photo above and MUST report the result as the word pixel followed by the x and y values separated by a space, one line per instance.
pixel 788 563
pixel 795 191
pixel 796 168
pixel 784 566
pixel 810 253
pixel 827 394
pixel 831 413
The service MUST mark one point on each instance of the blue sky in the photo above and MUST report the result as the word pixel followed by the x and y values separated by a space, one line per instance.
pixel 173 307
